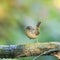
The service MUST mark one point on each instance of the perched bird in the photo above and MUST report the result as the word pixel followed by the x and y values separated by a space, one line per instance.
pixel 31 32
pixel 32 28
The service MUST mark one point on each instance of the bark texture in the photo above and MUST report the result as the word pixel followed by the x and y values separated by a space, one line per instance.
pixel 35 49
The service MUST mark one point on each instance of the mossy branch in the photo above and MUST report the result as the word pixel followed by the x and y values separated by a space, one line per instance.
pixel 16 51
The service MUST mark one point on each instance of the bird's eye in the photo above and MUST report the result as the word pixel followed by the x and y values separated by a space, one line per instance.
pixel 28 27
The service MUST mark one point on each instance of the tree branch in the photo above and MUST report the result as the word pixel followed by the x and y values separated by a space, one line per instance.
pixel 14 51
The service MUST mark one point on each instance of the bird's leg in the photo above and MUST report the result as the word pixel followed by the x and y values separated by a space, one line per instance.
pixel 37 40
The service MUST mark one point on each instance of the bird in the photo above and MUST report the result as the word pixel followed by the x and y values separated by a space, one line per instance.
pixel 31 32
pixel 32 28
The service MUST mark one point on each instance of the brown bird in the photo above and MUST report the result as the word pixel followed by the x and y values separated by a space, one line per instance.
pixel 30 27
pixel 31 32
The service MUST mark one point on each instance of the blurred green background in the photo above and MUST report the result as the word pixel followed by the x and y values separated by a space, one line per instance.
pixel 13 11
